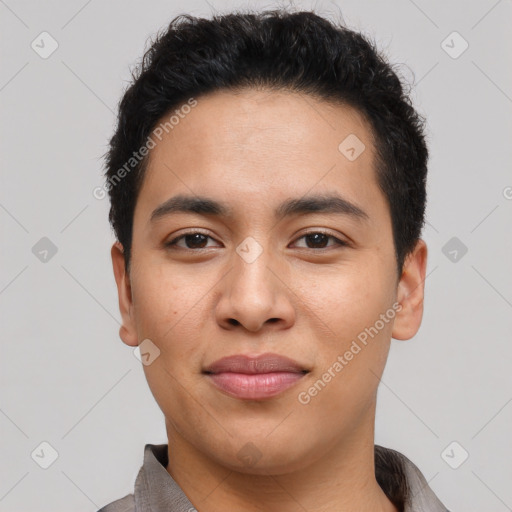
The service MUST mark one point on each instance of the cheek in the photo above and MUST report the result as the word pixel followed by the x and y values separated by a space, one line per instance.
pixel 344 302
pixel 168 311
pixel 162 299
pixel 347 323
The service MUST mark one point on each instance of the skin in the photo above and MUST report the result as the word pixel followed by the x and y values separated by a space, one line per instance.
pixel 301 298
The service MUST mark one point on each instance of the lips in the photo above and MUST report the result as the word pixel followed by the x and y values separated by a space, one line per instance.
pixel 254 378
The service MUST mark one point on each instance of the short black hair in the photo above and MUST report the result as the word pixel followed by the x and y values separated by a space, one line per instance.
pixel 278 50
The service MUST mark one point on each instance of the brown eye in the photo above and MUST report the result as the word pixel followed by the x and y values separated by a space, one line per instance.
pixel 320 240
pixel 192 240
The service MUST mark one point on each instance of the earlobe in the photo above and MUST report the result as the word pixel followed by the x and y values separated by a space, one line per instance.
pixel 127 331
pixel 410 293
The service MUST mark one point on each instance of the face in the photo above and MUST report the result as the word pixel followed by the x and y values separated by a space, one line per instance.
pixel 290 256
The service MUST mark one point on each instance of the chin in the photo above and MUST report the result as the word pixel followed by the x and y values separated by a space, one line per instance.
pixel 262 457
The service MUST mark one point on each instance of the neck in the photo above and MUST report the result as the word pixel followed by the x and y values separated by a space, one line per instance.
pixel 343 480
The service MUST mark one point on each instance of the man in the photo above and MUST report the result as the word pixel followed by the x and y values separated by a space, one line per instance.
pixel 267 184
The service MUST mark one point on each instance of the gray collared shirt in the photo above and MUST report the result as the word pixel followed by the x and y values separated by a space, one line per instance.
pixel 156 491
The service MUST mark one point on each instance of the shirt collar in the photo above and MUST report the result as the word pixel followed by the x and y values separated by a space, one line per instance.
pixel 400 479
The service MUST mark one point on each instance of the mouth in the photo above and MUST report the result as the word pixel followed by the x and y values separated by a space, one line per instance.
pixel 254 378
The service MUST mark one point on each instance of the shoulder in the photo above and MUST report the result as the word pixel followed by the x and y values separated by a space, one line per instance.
pixel 403 482
pixel 126 504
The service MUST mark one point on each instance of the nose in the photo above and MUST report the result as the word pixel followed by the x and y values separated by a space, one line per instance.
pixel 255 294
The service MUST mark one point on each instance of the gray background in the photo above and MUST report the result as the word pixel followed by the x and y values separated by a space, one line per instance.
pixel 66 377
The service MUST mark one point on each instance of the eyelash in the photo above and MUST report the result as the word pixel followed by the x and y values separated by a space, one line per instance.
pixel 340 243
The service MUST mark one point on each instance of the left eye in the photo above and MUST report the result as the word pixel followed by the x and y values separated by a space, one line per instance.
pixel 318 238
pixel 197 240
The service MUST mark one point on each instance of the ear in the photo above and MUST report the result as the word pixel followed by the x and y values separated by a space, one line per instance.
pixel 127 331
pixel 410 293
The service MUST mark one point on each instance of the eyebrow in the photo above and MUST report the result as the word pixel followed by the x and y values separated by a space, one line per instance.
pixel 324 203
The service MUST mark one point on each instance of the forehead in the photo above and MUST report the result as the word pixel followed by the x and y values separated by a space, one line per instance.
pixel 239 124
pixel 251 145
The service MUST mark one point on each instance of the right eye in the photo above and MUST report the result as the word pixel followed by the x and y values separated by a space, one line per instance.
pixel 193 239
